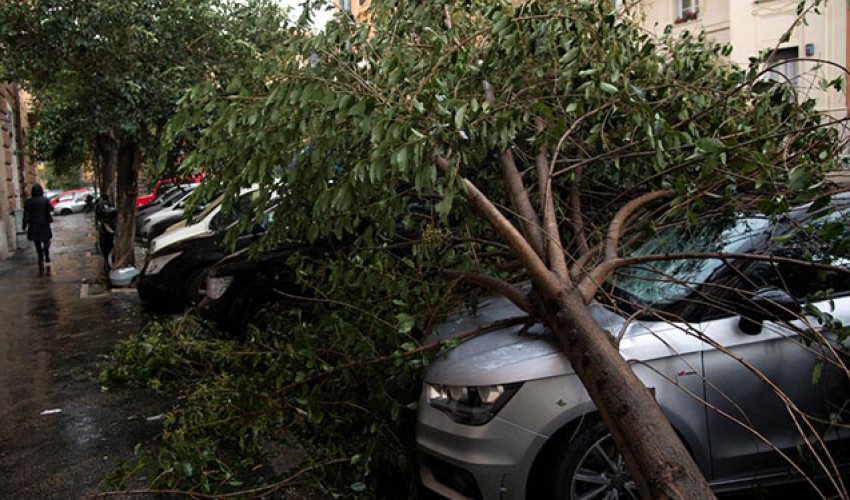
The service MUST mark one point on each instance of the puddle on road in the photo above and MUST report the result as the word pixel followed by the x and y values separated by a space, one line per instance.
pixel 93 290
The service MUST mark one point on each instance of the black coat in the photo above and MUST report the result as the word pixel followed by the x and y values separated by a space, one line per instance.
pixel 37 218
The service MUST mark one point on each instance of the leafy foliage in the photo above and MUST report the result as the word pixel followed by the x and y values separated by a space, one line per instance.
pixel 382 101
pixel 332 373
pixel 345 126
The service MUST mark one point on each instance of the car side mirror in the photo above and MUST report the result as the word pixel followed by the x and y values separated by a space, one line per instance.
pixel 767 304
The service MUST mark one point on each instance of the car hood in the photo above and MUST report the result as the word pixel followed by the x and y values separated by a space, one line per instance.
pixel 512 354
pixel 201 229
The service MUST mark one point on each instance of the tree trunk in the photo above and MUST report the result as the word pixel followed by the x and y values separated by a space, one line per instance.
pixel 107 150
pixel 129 158
pixel 654 454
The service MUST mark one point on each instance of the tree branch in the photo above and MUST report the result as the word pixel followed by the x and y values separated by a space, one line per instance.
pixel 615 229
pixel 520 200
pixel 576 216
pixel 591 283
pixel 552 245
pixel 521 247
pixel 495 284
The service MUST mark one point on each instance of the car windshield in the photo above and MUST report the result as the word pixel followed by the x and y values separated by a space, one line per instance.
pixel 664 282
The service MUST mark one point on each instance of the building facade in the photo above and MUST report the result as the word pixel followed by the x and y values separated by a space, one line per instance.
pixel 751 26
pixel 17 171
pixel 358 8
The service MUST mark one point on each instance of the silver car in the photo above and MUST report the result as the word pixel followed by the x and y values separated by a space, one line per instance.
pixel 504 416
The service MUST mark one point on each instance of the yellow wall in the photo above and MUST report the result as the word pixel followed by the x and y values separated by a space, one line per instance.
pixel 753 25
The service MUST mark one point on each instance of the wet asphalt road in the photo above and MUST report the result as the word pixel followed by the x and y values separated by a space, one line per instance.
pixel 51 341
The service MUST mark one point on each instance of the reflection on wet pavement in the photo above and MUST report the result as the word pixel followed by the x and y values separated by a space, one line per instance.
pixel 51 340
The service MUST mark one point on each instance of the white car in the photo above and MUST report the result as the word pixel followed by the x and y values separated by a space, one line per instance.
pixel 504 415
pixel 72 202
pixel 210 219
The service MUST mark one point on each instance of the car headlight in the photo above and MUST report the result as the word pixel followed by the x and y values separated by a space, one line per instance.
pixel 216 286
pixel 470 405
pixel 157 264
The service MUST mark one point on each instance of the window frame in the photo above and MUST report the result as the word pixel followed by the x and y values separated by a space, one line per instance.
pixel 686 13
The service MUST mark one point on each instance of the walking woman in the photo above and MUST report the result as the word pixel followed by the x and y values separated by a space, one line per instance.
pixel 37 219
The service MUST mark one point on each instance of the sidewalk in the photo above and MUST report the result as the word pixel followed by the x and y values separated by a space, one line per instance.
pixel 60 432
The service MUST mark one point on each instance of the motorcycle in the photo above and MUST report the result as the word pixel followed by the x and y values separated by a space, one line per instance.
pixel 105 217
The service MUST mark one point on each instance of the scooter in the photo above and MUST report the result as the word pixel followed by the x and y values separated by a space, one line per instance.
pixel 105 216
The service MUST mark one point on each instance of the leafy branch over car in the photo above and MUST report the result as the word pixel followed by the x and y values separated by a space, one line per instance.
pixel 559 129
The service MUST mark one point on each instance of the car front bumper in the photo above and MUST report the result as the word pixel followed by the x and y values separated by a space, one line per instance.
pixel 161 289
pixel 488 461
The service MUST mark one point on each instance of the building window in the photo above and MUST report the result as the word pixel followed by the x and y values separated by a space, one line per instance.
pixel 345 4
pixel 687 10
pixel 784 66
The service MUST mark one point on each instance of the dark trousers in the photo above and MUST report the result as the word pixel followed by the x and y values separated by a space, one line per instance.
pixel 42 248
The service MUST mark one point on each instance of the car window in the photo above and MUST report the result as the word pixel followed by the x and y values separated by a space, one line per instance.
pixel 664 282
pixel 821 241
pixel 243 205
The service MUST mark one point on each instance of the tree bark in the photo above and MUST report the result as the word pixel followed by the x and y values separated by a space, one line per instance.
pixel 654 454
pixel 107 150
pixel 129 159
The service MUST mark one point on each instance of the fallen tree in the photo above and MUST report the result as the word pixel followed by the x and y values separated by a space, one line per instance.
pixel 556 128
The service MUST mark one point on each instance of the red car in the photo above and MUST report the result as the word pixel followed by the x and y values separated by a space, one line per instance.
pixel 68 195
pixel 162 186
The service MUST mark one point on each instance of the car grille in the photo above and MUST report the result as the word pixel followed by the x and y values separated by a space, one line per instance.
pixel 452 476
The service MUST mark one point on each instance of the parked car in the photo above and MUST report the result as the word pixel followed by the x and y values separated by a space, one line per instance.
pixel 240 285
pixel 52 193
pixel 203 223
pixel 164 217
pixel 72 201
pixel 504 416
pixel 168 199
pixel 175 276
pixel 163 185
pixel 171 210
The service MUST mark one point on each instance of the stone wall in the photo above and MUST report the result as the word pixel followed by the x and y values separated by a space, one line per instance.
pixel 17 172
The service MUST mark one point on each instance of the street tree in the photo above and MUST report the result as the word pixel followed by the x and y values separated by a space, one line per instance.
pixel 120 67
pixel 543 137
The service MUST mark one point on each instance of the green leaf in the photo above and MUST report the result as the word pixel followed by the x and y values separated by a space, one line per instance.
pixel 799 178
pixel 608 88
pixel 711 145
pixel 358 109
pixel 405 322
pixel 459 115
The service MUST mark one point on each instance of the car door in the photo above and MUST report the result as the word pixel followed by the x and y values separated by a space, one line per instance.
pixel 749 376
pixel 79 201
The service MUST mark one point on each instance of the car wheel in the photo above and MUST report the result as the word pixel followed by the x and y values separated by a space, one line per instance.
pixel 196 287
pixel 591 468
pixel 65 211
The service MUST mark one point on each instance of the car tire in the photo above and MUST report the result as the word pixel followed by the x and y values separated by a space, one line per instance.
pixel 589 466
pixel 195 289
pixel 65 211
pixel 242 314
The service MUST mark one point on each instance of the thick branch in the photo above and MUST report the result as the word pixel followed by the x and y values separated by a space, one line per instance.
pixel 521 247
pixel 495 284
pixel 615 229
pixel 579 266
pixel 520 200
pixel 576 216
pixel 552 237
